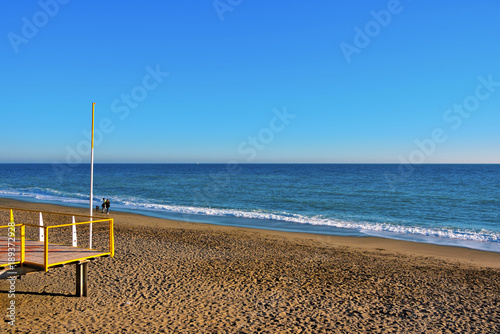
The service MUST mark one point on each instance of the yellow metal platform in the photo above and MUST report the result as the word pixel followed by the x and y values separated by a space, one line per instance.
pixel 20 255
pixel 34 253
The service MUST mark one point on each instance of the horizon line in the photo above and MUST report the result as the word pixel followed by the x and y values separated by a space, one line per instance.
pixel 262 163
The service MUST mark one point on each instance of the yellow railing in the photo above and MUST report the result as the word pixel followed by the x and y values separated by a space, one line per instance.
pixel 46 265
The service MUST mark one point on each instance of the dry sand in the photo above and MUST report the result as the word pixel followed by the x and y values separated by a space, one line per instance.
pixel 177 277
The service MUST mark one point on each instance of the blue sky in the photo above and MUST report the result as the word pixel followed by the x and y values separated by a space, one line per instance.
pixel 251 81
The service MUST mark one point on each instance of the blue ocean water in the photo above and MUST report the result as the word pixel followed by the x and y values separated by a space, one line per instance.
pixel 442 204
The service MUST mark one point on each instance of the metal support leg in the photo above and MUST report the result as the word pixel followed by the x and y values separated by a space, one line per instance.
pixel 85 278
pixel 81 279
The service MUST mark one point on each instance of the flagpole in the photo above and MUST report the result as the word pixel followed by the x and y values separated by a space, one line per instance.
pixel 91 177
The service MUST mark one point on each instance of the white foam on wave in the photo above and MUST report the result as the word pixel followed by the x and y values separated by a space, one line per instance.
pixel 458 234
pixel 47 195
pixel 50 195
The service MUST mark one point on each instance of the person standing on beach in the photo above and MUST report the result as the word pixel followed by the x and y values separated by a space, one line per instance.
pixel 108 204
pixel 103 205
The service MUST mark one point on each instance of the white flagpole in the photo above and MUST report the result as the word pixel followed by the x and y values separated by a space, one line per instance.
pixel 91 178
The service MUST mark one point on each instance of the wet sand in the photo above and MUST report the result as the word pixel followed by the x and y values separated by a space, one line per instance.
pixel 177 277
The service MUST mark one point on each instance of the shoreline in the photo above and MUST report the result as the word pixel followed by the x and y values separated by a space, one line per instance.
pixel 415 228
pixel 463 255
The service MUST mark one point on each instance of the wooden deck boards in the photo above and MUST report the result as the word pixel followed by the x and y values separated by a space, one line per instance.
pixel 34 252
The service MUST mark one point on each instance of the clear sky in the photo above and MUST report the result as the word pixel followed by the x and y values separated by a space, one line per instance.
pixel 250 81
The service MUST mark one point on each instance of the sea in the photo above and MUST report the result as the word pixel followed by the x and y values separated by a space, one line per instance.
pixel 444 204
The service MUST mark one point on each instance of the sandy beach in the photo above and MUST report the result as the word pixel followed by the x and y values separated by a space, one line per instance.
pixel 177 277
